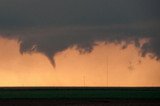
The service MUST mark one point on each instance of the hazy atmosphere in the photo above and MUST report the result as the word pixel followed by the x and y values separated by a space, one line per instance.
pixel 79 43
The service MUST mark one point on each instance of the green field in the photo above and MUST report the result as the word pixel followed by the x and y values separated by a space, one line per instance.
pixel 79 93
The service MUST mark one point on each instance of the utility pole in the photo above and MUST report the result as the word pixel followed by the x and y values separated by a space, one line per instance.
pixel 84 82
pixel 107 73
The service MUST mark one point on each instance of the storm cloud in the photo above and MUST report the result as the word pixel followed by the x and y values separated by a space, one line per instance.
pixel 52 26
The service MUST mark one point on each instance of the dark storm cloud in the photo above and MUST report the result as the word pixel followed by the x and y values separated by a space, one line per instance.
pixel 23 13
pixel 52 26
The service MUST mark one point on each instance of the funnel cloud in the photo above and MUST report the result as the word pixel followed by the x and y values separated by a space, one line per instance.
pixel 50 27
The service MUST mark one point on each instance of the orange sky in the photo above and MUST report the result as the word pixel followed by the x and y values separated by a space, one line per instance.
pixel 125 67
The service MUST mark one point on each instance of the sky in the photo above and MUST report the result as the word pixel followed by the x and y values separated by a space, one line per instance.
pixel 79 43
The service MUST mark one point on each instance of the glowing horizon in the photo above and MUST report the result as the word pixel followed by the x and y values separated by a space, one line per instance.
pixel 127 68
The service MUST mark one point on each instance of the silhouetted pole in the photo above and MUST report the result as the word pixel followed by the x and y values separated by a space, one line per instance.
pixel 107 73
pixel 84 82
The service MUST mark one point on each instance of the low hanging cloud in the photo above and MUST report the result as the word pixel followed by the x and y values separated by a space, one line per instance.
pixel 50 41
pixel 50 27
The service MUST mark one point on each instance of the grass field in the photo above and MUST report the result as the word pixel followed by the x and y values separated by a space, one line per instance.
pixel 79 93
